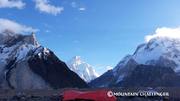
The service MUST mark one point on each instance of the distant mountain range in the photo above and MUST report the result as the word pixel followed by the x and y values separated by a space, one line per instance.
pixel 27 65
pixel 159 54
pixel 84 70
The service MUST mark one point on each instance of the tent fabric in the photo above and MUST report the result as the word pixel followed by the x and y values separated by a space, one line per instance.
pixel 100 95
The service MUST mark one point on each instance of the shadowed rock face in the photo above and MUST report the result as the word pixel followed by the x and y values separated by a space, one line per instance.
pixel 151 76
pixel 55 72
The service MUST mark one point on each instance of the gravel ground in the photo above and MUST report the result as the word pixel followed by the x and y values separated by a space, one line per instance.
pixel 55 95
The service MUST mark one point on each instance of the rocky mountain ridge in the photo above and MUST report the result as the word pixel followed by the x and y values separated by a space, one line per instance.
pixel 27 65
pixel 159 51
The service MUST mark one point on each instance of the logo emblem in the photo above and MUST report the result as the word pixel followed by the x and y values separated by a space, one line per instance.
pixel 109 94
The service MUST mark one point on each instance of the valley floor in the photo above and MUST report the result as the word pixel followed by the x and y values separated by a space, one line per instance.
pixel 46 95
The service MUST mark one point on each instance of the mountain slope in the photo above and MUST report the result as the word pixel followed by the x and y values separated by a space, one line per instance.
pixel 84 70
pixel 159 51
pixel 150 76
pixel 111 77
pixel 27 65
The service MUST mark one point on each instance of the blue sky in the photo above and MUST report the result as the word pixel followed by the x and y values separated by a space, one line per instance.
pixel 102 32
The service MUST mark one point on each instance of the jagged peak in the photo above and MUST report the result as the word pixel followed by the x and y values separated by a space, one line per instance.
pixel 75 59
pixel 31 39
pixel 10 37
pixel 32 33
pixel 84 70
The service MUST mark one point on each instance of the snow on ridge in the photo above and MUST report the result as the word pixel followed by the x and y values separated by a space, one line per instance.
pixel 150 52
pixel 157 48
pixel 23 50
pixel 120 78
pixel 165 32
pixel 18 51
pixel 122 63
pixel 75 60
pixel 153 49
pixel 84 70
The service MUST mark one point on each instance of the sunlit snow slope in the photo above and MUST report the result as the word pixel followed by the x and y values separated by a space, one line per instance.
pixel 84 70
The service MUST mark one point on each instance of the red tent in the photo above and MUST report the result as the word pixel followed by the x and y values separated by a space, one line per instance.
pixel 101 95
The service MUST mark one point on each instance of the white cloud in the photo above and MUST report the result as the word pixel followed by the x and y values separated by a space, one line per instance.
pixel 109 68
pixel 18 28
pixel 73 4
pixel 43 6
pixel 47 25
pixel 47 31
pixel 103 67
pixel 81 9
pixel 81 6
pixel 167 32
pixel 10 4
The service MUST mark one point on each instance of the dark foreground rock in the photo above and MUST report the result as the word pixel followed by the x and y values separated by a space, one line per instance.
pixel 147 99
pixel 22 97
pixel 55 95
pixel 35 98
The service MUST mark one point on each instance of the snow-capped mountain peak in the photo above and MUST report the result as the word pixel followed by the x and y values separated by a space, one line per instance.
pixel 160 49
pixel 75 60
pixel 84 70
pixel 27 65
pixel 159 52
